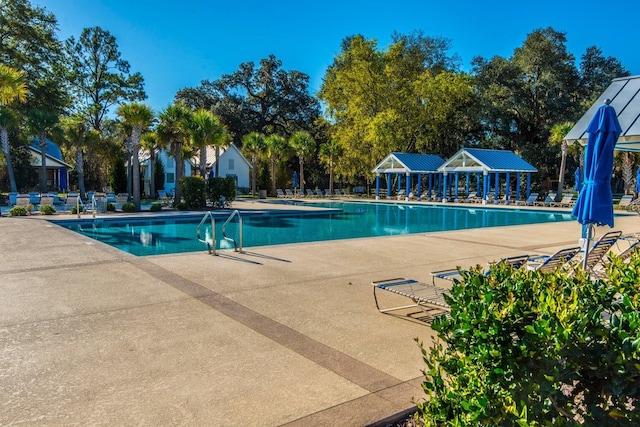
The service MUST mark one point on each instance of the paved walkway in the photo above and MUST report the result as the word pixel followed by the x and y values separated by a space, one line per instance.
pixel 282 335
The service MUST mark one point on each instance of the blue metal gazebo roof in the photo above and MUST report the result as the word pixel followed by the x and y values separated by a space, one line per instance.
pixel 483 160
pixel 409 163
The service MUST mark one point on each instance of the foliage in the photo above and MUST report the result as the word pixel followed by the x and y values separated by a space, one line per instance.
pixel 118 177
pixel 181 206
pixel 266 99
pixel 253 146
pixel 193 192
pixel 525 348
pixel 111 207
pixel 206 130
pixel 75 209
pixel 221 191
pixel 47 209
pixel 100 78
pixel 173 130
pixel 156 207
pixel 18 211
pixel 129 207
pixel 407 98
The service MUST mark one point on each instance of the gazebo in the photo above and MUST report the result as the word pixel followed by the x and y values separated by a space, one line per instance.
pixel 491 169
pixel 409 166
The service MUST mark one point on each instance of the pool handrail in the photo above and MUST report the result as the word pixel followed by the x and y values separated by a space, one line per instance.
pixel 211 247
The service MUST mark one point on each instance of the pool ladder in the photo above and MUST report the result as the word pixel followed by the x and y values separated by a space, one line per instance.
pixel 211 244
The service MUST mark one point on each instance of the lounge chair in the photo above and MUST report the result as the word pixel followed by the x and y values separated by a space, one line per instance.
pixel 328 193
pixel 551 197
pixel 551 262
pixel 12 198
pixel 288 194
pixel 428 298
pixel 456 274
pixel 472 197
pixel 280 193
pixel 400 195
pixel 121 199
pixel 345 193
pixel 46 200
pixel 310 193
pixel 319 193
pixel 529 201
pixel 22 200
pixel 625 201
pixel 299 193
pixel 596 255
pixel 337 193
pixel 164 198
pixel 34 198
pixel 566 202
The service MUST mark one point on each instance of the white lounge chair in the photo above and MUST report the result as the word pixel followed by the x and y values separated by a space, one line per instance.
pixel 280 193
pixel 517 261
pixel 429 299
pixel 288 194
pixel 566 202
pixel 551 197
pixel 530 200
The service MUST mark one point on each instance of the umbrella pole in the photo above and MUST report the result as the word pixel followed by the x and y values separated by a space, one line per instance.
pixel 590 234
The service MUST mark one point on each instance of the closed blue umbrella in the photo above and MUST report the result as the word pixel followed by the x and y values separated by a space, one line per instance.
pixel 638 181
pixel 595 201
pixel 295 179
pixel 578 175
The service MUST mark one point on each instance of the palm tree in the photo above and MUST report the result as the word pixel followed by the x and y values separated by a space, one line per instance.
pixel 12 88
pixel 254 146
pixel 42 124
pixel 206 130
pixel 329 152
pixel 138 117
pixel 12 85
pixel 151 142
pixel 302 144
pixel 78 135
pixel 173 129
pixel 558 132
pixel 276 146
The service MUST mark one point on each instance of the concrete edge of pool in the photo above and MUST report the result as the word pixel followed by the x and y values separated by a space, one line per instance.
pixel 92 335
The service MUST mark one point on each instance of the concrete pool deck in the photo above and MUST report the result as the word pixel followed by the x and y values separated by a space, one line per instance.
pixel 281 335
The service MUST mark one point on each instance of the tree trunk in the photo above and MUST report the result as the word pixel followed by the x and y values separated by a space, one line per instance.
pixel 562 167
pixel 4 137
pixel 254 172
pixel 80 170
pixel 273 175
pixel 43 166
pixel 217 165
pixel 135 164
pixel 301 172
pixel 203 162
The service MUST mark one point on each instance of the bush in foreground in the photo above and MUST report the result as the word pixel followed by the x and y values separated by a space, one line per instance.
pixel 18 211
pixel 524 348
pixel 47 210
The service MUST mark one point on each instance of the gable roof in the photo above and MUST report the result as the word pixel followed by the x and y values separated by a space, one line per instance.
pixel 53 154
pixel 409 163
pixel 624 93
pixel 484 160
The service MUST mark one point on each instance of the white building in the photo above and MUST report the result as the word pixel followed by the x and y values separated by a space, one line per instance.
pixel 231 164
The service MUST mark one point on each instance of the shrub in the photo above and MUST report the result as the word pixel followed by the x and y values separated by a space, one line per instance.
pixel 74 209
pixel 129 207
pixel 47 210
pixel 18 211
pixel 221 191
pixel 193 192
pixel 181 206
pixel 155 207
pixel 111 207
pixel 525 348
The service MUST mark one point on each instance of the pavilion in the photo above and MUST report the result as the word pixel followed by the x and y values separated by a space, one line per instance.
pixel 409 166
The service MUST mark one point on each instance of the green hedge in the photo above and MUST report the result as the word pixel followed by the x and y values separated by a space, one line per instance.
pixel 221 191
pixel 524 348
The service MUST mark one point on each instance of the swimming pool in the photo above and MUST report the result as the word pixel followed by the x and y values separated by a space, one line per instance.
pixel 333 221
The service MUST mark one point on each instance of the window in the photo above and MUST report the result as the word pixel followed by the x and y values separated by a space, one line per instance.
pixel 231 164
pixel 171 162
pixel 170 178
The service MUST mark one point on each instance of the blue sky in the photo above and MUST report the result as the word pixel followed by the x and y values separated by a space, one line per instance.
pixel 177 44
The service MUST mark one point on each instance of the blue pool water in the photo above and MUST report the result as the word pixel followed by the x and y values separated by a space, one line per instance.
pixel 337 220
